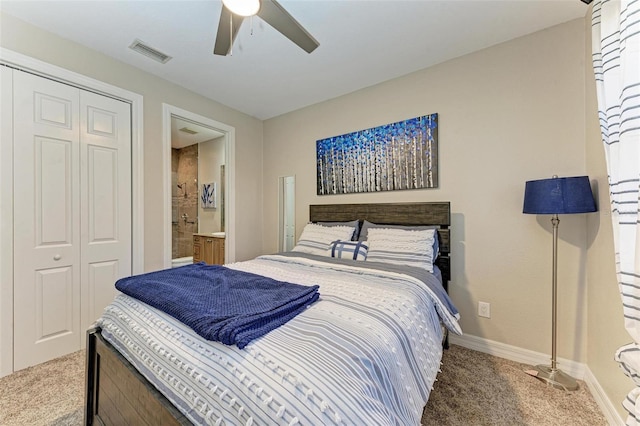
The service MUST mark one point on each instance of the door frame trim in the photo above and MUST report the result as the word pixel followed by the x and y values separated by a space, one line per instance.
pixel 31 65
pixel 230 179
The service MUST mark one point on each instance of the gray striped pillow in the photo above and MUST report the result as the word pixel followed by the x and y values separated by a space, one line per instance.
pixel 401 247
pixel 316 239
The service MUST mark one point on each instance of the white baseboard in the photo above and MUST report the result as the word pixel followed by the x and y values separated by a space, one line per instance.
pixel 526 356
pixel 514 353
pixel 608 409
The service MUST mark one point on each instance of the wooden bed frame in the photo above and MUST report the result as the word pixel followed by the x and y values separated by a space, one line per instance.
pixel 117 394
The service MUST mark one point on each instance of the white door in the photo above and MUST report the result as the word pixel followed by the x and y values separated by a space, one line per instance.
pixel 62 176
pixel 105 199
pixel 46 220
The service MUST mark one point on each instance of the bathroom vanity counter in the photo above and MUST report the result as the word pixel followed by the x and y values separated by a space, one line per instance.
pixel 209 248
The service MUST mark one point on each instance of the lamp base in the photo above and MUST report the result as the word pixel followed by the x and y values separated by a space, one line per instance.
pixel 555 377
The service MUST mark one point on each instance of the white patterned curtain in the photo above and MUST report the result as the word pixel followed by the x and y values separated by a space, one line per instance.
pixel 616 63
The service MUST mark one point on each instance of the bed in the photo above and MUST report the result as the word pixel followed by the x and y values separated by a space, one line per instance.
pixel 342 361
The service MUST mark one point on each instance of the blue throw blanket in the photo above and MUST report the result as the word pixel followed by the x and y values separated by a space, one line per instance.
pixel 218 303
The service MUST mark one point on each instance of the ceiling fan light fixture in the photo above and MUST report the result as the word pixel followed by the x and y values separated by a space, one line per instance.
pixel 242 7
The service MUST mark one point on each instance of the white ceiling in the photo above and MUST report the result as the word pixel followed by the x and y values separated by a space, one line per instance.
pixel 362 42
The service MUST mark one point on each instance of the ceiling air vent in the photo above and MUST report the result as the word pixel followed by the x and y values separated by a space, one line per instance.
pixel 188 130
pixel 149 52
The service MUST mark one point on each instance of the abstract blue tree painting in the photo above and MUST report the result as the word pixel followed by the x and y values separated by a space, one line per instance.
pixel 402 155
pixel 208 196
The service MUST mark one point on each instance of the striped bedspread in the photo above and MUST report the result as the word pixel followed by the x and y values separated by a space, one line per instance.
pixel 367 353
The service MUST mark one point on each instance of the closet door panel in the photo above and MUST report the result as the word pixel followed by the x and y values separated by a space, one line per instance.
pixel 46 220
pixel 53 189
pixel 106 200
pixel 100 286
pixel 54 302
pixel 102 189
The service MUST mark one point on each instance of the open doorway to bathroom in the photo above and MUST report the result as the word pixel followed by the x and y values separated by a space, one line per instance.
pixel 199 189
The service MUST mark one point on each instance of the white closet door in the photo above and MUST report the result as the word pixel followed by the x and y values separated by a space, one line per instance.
pixel 72 213
pixel 105 200
pixel 46 220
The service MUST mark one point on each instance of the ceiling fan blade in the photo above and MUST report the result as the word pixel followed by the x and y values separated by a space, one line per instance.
pixel 224 38
pixel 275 15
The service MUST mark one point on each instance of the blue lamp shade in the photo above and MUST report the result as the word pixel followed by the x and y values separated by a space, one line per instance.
pixel 559 195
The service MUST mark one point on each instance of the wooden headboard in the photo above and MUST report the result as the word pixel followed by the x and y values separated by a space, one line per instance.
pixel 395 214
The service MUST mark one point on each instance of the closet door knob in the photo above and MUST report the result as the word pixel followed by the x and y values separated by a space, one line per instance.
pixel 57 257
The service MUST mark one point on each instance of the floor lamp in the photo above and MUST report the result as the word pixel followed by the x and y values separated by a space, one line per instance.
pixel 556 196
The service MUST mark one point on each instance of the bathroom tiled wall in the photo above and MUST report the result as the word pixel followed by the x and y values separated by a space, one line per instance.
pixel 184 168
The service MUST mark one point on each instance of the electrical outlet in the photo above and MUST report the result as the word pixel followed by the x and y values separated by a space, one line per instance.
pixel 484 309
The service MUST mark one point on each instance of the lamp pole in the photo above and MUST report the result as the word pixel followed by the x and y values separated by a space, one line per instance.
pixel 551 374
pixel 555 221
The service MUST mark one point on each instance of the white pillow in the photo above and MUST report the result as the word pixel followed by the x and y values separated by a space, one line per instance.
pixel 316 239
pixel 401 247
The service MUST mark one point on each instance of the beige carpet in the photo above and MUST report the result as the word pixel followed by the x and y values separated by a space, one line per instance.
pixel 479 389
pixel 472 389
pixel 47 394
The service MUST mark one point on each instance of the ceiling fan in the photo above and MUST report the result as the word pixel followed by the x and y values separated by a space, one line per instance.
pixel 234 12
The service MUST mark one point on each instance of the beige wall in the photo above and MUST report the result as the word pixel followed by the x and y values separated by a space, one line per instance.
pixel 605 321
pixel 507 114
pixel 24 38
